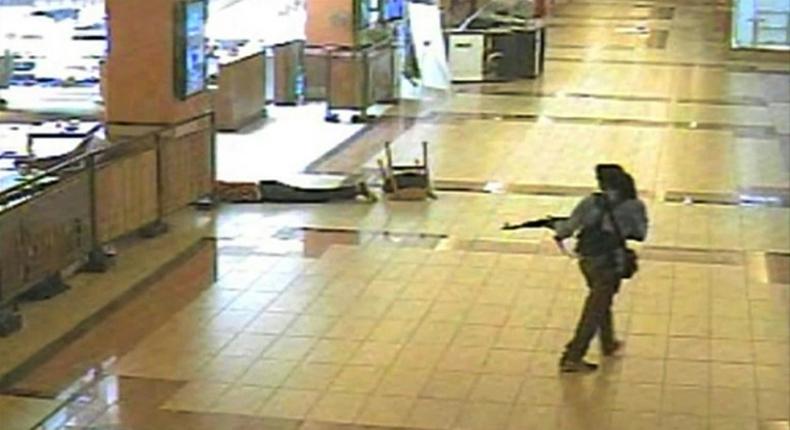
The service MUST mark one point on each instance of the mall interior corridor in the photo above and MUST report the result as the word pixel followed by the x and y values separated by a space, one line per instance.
pixel 425 315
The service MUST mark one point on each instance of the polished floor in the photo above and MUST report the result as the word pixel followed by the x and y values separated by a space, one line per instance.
pixel 424 315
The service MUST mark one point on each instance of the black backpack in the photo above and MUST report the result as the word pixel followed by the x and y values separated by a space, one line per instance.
pixel 593 240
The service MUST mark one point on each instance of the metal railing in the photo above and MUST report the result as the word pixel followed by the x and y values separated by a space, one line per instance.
pixel 64 215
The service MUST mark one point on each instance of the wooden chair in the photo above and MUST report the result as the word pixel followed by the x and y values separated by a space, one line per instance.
pixel 407 182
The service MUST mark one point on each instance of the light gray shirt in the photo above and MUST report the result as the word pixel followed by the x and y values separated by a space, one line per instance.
pixel 631 216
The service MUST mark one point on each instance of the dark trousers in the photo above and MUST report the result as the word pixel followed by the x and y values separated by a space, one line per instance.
pixel 604 282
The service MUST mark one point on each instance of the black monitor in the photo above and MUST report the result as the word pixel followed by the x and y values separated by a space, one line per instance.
pixel 190 51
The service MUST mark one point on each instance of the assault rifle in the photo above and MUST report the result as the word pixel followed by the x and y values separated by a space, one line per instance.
pixel 547 222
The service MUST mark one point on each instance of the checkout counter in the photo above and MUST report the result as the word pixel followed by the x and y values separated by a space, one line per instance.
pixel 502 41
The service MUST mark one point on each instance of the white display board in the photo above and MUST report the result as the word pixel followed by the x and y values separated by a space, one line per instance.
pixel 426 30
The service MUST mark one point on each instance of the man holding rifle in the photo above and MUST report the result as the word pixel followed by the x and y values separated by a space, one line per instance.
pixel 602 223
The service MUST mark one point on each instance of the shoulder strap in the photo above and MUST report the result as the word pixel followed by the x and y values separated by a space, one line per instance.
pixel 608 211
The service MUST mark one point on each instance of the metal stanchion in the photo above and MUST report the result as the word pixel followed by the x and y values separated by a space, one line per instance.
pixel 158 226
pixel 98 259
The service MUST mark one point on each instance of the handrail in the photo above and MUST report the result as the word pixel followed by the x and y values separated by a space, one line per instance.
pixel 90 152
pixel 49 171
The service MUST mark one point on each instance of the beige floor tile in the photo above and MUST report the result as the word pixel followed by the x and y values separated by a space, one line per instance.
pixel 420 291
pixel 290 348
pixel 541 392
pixel 732 351
pixel 403 382
pixel 389 411
pixel 331 351
pixel 310 326
pixel 639 398
pixel 772 353
pixel 337 407
pixel 507 362
pixel 357 379
pixel 375 354
pixel 488 314
pixel 647 346
pixel 634 420
pixel 656 324
pixel 448 312
pixel 544 364
pixel 225 368
pixel 434 414
pixel 733 375
pixel 315 377
pixel 733 423
pixel 433 332
pixel 496 388
pixel 248 344
pixel 682 421
pixel 584 416
pixel 685 400
pixel 393 331
pixel 689 325
pixel 518 338
pixel 268 373
pixel 643 370
pixel 196 396
pixel 471 359
pixel 470 335
pixel 553 340
pixel 772 405
pixel 688 348
pixel 537 417
pixel 773 378
pixel 459 293
pixel 408 310
pixel 419 356
pixel 483 416
pixel 733 402
pixel 684 372
pixel 729 328
pixel 349 328
pixel 450 385
pixel 242 400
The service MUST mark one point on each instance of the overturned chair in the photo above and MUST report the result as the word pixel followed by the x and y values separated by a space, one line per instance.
pixel 406 182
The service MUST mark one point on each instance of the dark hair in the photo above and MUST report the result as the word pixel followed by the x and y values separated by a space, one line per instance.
pixel 614 177
pixel 627 187
pixel 605 169
pixel 607 175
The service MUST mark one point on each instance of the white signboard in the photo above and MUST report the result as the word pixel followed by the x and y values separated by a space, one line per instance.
pixel 426 29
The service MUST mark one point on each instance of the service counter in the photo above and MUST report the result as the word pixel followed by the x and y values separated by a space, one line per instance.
pixel 502 41
pixel 239 96
pixel 351 78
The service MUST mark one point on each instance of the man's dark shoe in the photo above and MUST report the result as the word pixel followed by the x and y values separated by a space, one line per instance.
pixel 612 350
pixel 576 366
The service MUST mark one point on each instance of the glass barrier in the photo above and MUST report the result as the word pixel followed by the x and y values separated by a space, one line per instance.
pixel 761 24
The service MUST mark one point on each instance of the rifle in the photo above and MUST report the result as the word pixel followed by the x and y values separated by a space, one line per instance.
pixel 547 222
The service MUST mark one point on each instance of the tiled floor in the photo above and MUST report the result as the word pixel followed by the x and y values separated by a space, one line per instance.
pixel 423 315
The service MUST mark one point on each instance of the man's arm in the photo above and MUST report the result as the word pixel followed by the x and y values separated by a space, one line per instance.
pixel 640 223
pixel 567 228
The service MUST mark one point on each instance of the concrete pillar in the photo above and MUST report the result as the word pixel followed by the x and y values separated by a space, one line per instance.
pixel 140 87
